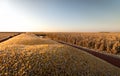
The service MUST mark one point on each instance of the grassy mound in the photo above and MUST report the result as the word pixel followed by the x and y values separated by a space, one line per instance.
pixel 27 39
pixel 29 55
pixel 51 60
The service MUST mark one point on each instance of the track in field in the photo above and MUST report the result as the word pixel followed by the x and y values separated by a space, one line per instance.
pixel 109 58
pixel 9 37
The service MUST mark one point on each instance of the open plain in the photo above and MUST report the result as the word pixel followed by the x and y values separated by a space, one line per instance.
pixel 31 55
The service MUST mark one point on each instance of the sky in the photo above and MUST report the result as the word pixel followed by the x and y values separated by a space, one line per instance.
pixel 59 15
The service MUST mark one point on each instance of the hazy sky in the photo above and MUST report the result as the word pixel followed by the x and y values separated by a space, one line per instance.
pixel 60 15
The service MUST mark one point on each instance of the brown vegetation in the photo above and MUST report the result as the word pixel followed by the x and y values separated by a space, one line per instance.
pixel 52 59
pixel 5 35
pixel 107 42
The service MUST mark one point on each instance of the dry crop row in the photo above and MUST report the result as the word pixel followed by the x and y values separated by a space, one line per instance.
pixel 107 42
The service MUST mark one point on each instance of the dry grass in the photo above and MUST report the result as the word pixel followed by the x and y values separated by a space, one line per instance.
pixel 27 39
pixel 102 42
pixel 4 35
pixel 49 60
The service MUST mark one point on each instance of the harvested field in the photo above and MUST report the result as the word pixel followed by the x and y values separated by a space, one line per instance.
pixel 29 55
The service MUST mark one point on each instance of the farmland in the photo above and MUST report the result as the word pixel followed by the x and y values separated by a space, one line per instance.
pixel 5 35
pixel 31 55
pixel 101 42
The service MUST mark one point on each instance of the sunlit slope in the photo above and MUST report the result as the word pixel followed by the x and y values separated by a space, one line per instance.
pixel 27 39
pixel 49 59
pixel 4 35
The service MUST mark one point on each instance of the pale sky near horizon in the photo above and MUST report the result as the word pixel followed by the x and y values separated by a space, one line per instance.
pixel 60 15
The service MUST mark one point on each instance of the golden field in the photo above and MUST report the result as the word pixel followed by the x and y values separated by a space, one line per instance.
pixel 101 42
pixel 30 55
pixel 4 35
